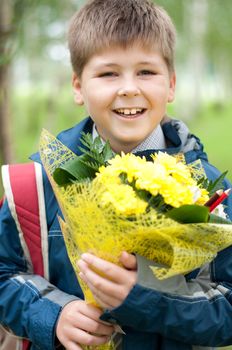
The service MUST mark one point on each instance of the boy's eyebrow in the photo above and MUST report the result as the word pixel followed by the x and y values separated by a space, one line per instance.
pixel 147 62
pixel 103 65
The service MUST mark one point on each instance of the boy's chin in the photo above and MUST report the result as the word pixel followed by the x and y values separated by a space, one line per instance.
pixel 124 146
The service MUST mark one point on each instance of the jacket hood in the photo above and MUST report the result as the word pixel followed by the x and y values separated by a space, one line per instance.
pixel 189 142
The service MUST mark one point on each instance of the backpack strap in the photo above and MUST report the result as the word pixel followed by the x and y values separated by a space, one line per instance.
pixel 23 186
pixel 1 202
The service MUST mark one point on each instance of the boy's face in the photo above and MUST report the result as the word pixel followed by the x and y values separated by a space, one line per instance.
pixel 125 91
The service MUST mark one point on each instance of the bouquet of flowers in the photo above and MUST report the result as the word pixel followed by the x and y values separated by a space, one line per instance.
pixel 156 208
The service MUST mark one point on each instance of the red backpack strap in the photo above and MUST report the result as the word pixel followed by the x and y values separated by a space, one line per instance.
pixel 1 202
pixel 23 186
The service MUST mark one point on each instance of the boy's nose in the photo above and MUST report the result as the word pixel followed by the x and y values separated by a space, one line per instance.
pixel 129 90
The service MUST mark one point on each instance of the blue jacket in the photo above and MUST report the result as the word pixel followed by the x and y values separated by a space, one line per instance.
pixel 182 312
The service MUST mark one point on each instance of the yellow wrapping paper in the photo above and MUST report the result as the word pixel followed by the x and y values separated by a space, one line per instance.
pixel 89 228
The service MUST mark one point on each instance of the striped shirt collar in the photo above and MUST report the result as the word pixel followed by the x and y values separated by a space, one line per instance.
pixel 155 140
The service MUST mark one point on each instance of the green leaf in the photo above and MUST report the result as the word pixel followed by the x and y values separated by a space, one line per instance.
pixel 62 177
pixel 107 152
pixel 213 186
pixel 187 214
pixel 75 169
pixel 84 167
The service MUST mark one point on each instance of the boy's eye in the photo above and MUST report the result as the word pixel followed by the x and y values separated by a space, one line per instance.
pixel 107 74
pixel 146 72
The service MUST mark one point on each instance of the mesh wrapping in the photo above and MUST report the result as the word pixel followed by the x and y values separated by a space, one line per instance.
pixel 180 248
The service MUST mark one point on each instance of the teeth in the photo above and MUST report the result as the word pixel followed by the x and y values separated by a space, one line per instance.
pixel 128 111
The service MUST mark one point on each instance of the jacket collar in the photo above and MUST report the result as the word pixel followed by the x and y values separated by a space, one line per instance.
pixel 176 134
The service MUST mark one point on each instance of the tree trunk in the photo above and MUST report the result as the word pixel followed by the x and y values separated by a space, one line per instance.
pixel 5 32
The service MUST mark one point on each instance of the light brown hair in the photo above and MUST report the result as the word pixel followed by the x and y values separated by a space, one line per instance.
pixel 103 23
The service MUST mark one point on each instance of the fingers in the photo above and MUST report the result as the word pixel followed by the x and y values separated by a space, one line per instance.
pixel 99 283
pixel 79 325
pixel 86 317
pixel 85 338
pixel 75 337
pixel 93 326
pixel 128 260
pixel 73 346
pixel 109 270
pixel 90 311
pixel 109 283
pixel 101 298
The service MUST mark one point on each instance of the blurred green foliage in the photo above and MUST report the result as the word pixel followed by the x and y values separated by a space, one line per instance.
pixel 37 110
pixel 213 125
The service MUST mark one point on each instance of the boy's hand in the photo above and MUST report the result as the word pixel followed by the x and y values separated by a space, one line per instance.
pixel 112 289
pixel 79 324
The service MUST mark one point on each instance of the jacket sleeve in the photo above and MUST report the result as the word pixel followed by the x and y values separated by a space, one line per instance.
pixel 29 304
pixel 194 311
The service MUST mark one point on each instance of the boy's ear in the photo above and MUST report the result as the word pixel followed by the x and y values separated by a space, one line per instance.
pixel 172 87
pixel 76 83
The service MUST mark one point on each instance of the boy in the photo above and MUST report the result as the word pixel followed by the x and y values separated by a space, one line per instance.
pixel 122 54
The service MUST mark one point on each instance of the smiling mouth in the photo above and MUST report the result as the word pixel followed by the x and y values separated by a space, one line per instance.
pixel 129 112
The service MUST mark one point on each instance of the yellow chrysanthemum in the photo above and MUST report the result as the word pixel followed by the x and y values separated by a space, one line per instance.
pixel 165 175
pixel 108 175
pixel 128 164
pixel 178 169
pixel 124 200
pixel 165 159
pixel 175 193
pixel 151 177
